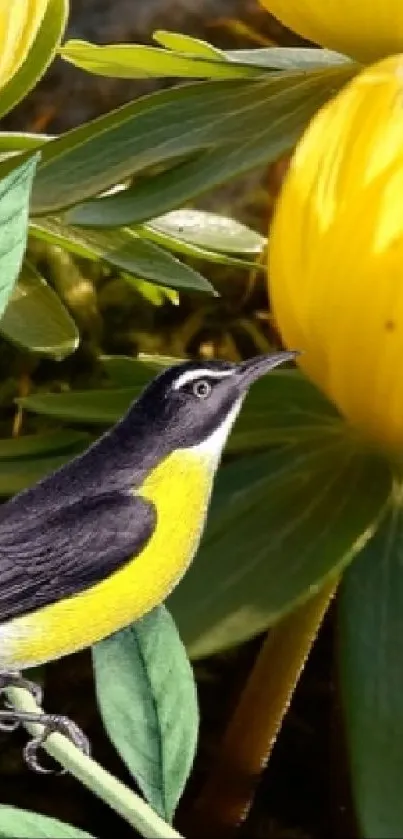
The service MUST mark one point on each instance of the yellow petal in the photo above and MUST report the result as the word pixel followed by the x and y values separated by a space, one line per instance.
pixel 19 23
pixel 364 29
pixel 336 252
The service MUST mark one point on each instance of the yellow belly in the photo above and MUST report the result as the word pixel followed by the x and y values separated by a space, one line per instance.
pixel 180 489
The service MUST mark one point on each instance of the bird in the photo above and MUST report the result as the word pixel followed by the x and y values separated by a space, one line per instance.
pixel 97 544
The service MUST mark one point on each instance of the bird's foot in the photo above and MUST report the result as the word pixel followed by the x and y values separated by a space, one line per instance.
pixel 12 678
pixel 11 718
pixel 53 723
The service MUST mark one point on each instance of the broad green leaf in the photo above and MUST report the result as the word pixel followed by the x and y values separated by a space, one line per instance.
pixel 289 58
pixel 210 230
pixel 34 445
pixel 15 189
pixel 282 524
pixel 36 319
pixel 133 61
pixel 371 672
pixel 41 53
pixel 185 43
pixel 147 697
pixel 124 249
pixel 277 123
pixel 174 123
pixel 25 824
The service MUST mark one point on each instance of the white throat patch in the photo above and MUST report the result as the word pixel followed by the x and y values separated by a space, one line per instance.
pixel 213 445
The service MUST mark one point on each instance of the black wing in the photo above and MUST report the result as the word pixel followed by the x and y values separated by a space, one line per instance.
pixel 78 546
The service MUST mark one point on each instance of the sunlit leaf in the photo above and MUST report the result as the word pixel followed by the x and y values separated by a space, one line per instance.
pixel 28 825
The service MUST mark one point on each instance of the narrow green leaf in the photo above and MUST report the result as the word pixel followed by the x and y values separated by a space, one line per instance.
pixel 34 445
pixel 124 371
pixel 40 56
pixel 15 189
pixel 36 319
pixel 277 124
pixel 25 824
pixel 289 58
pixel 371 671
pixel 17 475
pixel 210 230
pixel 282 408
pixel 147 697
pixel 185 43
pixel 102 407
pixel 282 524
pixel 15 141
pixel 133 61
pixel 177 245
pixel 174 123
pixel 124 249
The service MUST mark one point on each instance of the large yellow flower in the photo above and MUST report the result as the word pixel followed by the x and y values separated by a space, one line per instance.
pixel 336 252
pixel 19 24
pixel 364 30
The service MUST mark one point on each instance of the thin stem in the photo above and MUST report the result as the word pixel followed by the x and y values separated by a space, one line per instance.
pixel 252 732
pixel 125 802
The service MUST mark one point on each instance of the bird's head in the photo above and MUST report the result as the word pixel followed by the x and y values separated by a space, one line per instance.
pixel 195 404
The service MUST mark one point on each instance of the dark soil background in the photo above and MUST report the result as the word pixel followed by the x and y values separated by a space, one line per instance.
pixel 302 795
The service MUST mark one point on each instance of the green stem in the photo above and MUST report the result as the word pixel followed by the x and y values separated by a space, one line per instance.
pixel 125 802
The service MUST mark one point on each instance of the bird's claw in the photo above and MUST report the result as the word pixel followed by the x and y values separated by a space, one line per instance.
pixel 12 678
pixel 54 723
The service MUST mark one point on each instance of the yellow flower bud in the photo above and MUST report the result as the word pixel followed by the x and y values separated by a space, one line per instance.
pixel 364 30
pixel 336 252
pixel 20 21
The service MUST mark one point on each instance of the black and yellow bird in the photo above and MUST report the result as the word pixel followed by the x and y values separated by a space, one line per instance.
pixel 99 543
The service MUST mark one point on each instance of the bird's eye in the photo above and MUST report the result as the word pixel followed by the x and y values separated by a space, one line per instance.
pixel 201 388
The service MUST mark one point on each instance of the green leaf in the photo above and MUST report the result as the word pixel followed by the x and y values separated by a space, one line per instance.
pixel 177 245
pixel 39 57
pixel 127 372
pixel 179 122
pixel 14 141
pixel 371 672
pixel 89 406
pixel 276 124
pixel 25 824
pixel 15 188
pixel 184 43
pixel 124 249
pixel 34 445
pixel 25 460
pixel 132 61
pixel 281 408
pixel 36 319
pixel 210 230
pixel 147 697
pixel 289 58
pixel 282 524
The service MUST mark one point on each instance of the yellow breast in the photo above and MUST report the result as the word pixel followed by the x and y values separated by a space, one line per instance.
pixel 180 488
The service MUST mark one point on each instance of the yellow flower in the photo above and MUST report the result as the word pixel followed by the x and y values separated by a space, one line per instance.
pixel 20 21
pixel 364 29
pixel 336 252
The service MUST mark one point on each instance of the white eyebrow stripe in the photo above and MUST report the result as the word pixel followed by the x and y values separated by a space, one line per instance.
pixel 191 375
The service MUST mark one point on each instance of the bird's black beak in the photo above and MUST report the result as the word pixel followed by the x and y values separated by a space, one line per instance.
pixel 252 369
